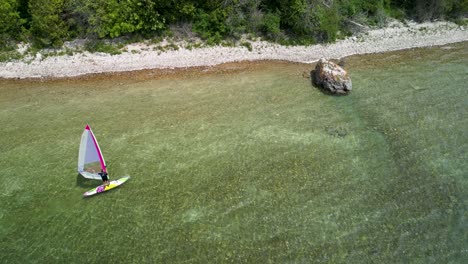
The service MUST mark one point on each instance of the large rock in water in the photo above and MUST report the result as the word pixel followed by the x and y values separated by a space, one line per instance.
pixel 332 77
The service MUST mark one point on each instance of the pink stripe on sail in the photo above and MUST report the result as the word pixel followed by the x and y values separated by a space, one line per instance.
pixel 101 159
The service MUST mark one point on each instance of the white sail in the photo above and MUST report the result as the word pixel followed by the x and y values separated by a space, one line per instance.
pixel 90 159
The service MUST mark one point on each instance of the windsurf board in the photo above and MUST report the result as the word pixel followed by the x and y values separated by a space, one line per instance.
pixel 104 188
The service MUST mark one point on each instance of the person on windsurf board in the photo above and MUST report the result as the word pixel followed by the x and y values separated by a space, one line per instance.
pixel 104 177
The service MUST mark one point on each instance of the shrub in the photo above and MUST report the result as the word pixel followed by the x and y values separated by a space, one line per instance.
pixel 9 55
pixel 113 18
pixel 10 21
pixel 243 17
pixel 422 10
pixel 328 24
pixel 210 26
pixel 271 25
pixel 248 45
pixel 101 46
pixel 47 27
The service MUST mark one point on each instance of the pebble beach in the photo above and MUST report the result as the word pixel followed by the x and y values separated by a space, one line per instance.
pixel 143 56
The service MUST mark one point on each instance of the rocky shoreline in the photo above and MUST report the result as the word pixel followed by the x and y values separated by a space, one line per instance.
pixel 396 36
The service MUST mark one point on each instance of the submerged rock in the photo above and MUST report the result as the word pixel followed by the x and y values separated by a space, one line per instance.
pixel 331 77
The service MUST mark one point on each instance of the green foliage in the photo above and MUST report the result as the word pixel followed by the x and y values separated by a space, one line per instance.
pixel 50 22
pixel 370 7
pixel 365 11
pixel 329 21
pixel 248 45
pixel 456 10
pixel 172 46
pixel 460 21
pixel 76 16
pixel 243 17
pixel 113 18
pixel 433 9
pixel 101 46
pixel 271 25
pixel 292 11
pixel 187 10
pixel 308 21
pixel 211 26
pixel 297 15
pixel 9 55
pixel 10 22
pixel 47 26
pixel 422 10
pixel 177 11
pixel 396 13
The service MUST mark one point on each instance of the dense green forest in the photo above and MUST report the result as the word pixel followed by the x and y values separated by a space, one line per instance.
pixel 48 23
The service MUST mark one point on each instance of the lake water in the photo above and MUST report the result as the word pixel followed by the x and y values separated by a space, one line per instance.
pixel 243 163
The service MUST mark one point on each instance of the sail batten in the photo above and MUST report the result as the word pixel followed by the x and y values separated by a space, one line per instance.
pixel 90 158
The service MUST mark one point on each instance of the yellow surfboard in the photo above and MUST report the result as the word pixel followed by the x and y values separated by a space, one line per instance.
pixel 103 188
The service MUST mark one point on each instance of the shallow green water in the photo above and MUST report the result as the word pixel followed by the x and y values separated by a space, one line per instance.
pixel 249 163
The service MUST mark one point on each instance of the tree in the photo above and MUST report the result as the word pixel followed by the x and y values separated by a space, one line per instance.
pixel 433 9
pixel 422 10
pixel 10 21
pixel 113 18
pixel 47 27
pixel 271 25
pixel 211 26
pixel 329 23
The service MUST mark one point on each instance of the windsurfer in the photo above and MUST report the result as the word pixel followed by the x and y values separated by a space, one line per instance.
pixel 104 177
